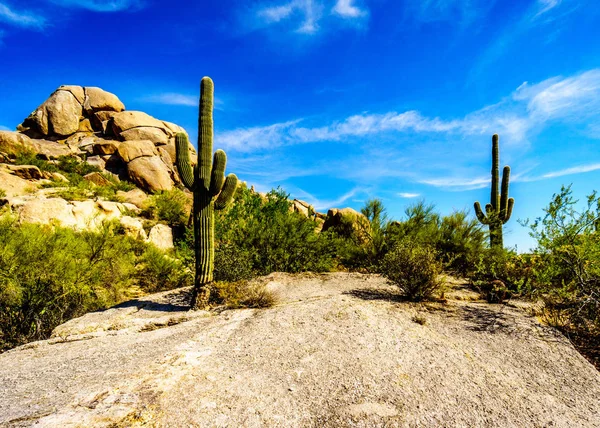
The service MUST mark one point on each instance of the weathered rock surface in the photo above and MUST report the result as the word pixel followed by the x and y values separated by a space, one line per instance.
pixel 136 197
pixel 28 172
pixel 130 150
pixel 338 350
pixel 97 99
pixel 13 185
pixel 150 173
pixel 81 215
pixel 161 236
pixel 14 143
pixel 88 121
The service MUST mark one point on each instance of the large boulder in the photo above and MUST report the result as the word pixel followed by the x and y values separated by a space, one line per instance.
pixel 156 135
pixel 51 149
pixel 97 99
pixel 349 223
pixel 58 115
pixel 161 236
pixel 14 143
pixel 13 185
pixel 134 119
pixel 150 173
pixel 130 150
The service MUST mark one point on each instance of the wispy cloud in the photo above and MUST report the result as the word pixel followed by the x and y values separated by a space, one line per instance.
pixel 307 16
pixel 4 128
pixel 347 9
pixel 458 11
pixel 323 204
pixel 102 5
pixel 453 183
pixel 544 6
pixel 524 112
pixel 172 98
pixel 407 195
pixel 21 18
pixel 580 169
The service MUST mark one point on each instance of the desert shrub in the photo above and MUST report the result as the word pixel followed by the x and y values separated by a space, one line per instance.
pixel 71 165
pixel 242 294
pixel 503 271
pixel 2 193
pixel 272 236
pixel 414 268
pixel 29 158
pixel 232 263
pixel 169 206
pixel 568 252
pixel 461 241
pixel 157 271
pixel 457 238
pixel 49 275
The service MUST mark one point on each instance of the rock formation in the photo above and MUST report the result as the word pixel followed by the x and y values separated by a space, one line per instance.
pixel 93 124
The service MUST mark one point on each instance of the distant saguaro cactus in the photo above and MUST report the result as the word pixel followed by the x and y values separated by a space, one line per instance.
pixel 212 191
pixel 499 210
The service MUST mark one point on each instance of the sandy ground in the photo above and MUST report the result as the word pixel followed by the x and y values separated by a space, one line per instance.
pixel 338 350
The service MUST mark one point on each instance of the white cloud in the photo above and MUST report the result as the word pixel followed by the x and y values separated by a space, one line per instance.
pixel 306 16
pixel 347 9
pixel 323 204
pixel 172 98
pixel 101 5
pixel 516 117
pixel 573 170
pixel 409 195
pixel 21 18
pixel 458 183
pixel 277 13
pixel 544 6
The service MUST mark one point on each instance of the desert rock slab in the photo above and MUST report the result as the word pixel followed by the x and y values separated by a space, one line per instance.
pixel 150 173
pixel 97 99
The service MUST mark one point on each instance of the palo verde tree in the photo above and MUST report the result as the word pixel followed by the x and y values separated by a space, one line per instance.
pixel 499 210
pixel 212 191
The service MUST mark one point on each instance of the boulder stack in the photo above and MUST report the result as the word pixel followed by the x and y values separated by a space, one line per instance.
pixel 93 124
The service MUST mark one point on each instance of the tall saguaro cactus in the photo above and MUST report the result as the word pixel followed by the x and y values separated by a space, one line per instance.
pixel 212 191
pixel 499 210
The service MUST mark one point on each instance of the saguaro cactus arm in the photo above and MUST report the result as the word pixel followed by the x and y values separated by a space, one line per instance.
pixel 227 192
pixel 182 161
pixel 480 215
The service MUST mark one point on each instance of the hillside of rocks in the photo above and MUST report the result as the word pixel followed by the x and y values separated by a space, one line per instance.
pixel 92 126
pixel 337 350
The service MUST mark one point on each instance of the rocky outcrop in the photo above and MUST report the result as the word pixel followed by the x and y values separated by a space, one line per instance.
pixel 349 223
pixel 90 122
pixel 87 215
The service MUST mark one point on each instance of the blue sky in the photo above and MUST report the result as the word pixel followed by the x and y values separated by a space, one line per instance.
pixel 339 101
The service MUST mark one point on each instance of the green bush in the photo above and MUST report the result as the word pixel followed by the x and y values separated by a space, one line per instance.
pixel 414 268
pixel 232 263
pixel 169 206
pixel 49 275
pixel 499 265
pixel 567 272
pixel 158 272
pixel 272 236
pixel 29 158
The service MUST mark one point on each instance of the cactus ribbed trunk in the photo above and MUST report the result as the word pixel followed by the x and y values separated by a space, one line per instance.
pixel 499 210
pixel 211 192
